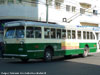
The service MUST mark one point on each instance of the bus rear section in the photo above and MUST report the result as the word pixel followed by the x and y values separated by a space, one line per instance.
pixel 80 41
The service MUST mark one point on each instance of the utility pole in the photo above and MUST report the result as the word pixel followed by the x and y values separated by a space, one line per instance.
pixel 47 5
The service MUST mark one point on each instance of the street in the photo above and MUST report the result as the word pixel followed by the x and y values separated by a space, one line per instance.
pixel 60 66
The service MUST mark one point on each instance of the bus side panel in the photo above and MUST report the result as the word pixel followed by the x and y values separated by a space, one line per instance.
pixel 71 48
pixel 92 46
pixel 80 50
pixel 36 50
pixel 14 49
pixel 73 52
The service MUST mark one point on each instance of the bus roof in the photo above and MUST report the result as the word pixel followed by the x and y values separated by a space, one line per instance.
pixel 30 23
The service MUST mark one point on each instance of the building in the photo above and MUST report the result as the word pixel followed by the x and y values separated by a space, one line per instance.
pixel 68 12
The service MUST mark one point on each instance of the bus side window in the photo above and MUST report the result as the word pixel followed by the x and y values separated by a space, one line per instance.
pixel 90 35
pixel 30 32
pixel 69 34
pixel 53 33
pixel 38 32
pixel 79 34
pixel 97 36
pixel 73 34
pixel 87 35
pixel 84 35
pixel 47 32
pixel 58 33
pixel 63 34
pixel 93 37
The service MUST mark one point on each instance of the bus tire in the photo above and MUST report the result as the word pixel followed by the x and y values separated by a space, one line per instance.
pixel 48 55
pixel 86 50
pixel 24 60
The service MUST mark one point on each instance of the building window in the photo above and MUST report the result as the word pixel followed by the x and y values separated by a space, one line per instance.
pixel 73 9
pixel 82 11
pixel 57 5
pixel 95 12
pixel 67 7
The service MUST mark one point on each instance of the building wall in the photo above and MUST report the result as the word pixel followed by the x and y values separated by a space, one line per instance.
pixel 29 10
pixel 22 10
pixel 73 16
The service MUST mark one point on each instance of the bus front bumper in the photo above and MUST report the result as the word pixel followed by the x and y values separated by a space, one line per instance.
pixel 14 55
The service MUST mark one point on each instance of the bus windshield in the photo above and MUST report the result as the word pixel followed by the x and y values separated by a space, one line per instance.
pixel 15 32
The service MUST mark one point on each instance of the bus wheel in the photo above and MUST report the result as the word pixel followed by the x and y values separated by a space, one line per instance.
pixel 48 55
pixel 85 54
pixel 24 60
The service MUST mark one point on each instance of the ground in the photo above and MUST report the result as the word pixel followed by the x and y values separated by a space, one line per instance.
pixel 59 66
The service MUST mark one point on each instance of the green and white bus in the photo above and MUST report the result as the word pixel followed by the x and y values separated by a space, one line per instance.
pixel 33 40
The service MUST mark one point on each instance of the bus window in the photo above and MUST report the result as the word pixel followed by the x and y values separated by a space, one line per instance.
pixel 63 33
pixel 87 35
pixel 10 33
pixel 73 34
pixel 59 33
pixel 93 37
pixel 53 35
pixel 84 35
pixel 46 32
pixel 79 34
pixel 38 32
pixel 90 35
pixel 20 32
pixel 69 34
pixel 30 32
pixel 97 35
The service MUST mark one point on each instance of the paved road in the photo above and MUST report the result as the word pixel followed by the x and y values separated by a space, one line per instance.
pixel 61 66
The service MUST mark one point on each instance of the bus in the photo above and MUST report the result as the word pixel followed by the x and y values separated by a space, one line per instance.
pixel 34 40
